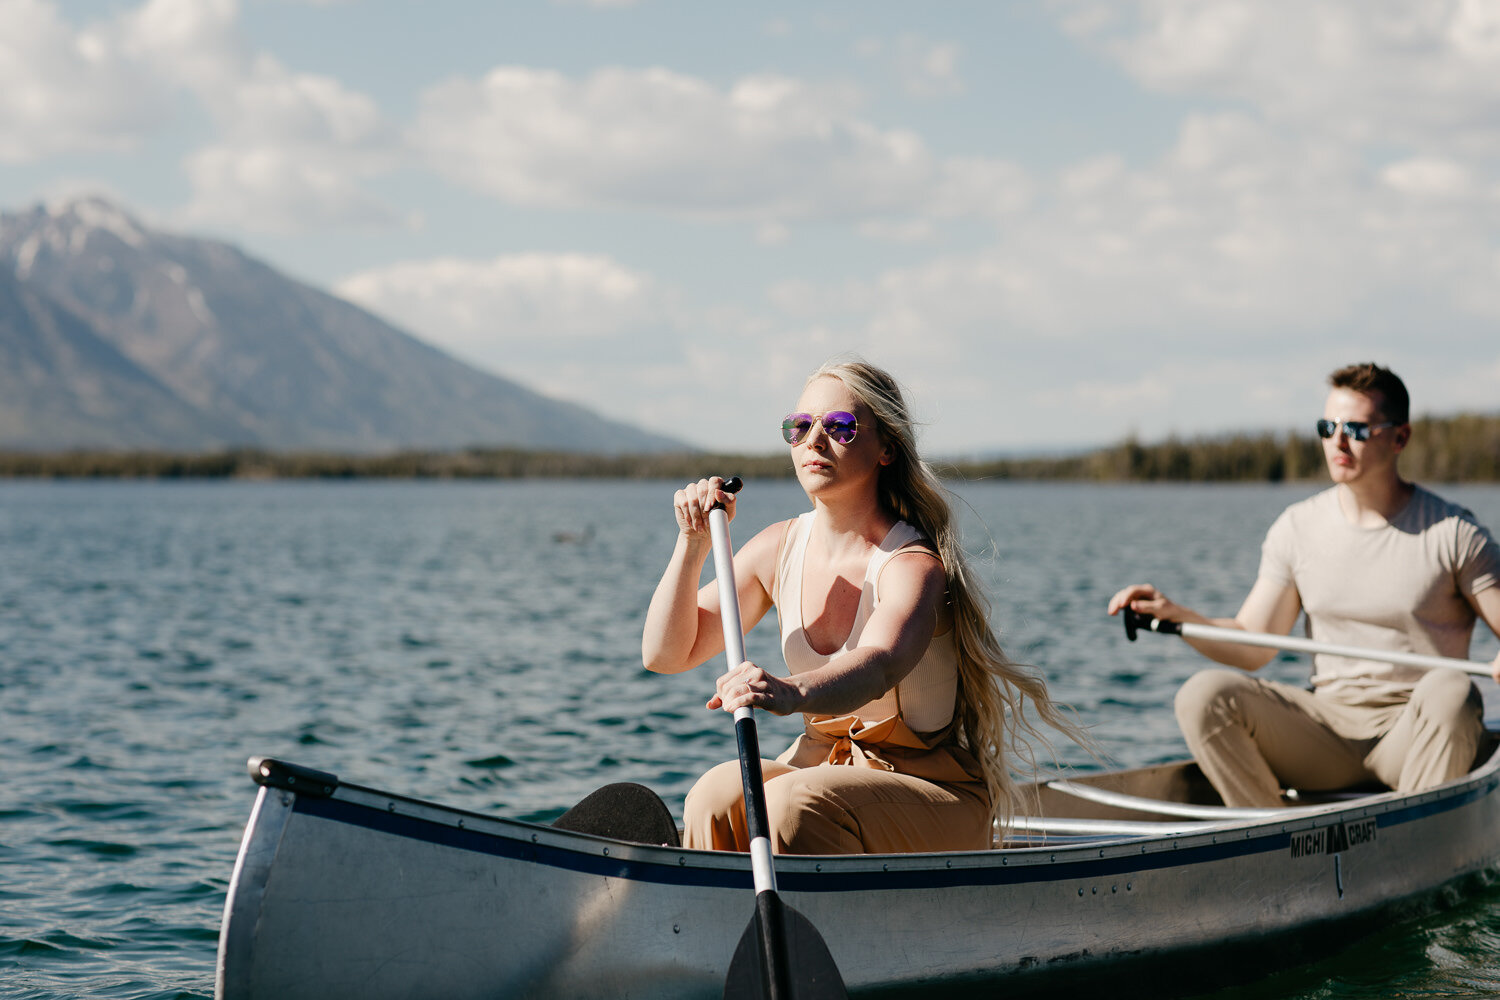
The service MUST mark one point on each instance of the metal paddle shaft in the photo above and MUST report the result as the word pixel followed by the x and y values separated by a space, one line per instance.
pixel 780 956
pixel 1136 622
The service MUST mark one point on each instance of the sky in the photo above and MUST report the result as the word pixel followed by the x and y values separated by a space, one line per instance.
pixel 1057 222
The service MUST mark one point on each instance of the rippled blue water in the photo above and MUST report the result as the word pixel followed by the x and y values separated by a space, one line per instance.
pixel 478 644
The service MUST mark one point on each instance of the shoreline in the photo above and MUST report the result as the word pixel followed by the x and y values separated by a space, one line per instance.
pixel 1460 449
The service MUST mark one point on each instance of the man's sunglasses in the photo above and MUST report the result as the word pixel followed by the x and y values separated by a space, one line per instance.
pixel 838 425
pixel 1358 430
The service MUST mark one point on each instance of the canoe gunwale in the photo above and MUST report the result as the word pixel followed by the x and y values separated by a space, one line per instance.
pixel 406 816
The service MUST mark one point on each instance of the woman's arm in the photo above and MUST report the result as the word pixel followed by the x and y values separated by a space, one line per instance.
pixel 912 590
pixel 683 626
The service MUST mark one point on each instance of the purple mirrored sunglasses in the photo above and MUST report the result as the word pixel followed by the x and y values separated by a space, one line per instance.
pixel 839 425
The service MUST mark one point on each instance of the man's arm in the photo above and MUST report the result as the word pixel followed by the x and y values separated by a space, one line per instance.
pixel 1487 604
pixel 1269 607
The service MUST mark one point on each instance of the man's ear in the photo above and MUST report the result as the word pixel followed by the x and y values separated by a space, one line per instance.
pixel 1402 436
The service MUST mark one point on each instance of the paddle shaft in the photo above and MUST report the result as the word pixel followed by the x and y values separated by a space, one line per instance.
pixel 744 718
pixel 763 869
pixel 1135 621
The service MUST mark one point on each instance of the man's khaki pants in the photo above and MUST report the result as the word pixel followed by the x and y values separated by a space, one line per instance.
pixel 1252 738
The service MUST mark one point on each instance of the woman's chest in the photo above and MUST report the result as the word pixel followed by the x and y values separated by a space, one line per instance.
pixel 832 599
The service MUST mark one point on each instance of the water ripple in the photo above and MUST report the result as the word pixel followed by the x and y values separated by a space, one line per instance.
pixel 435 640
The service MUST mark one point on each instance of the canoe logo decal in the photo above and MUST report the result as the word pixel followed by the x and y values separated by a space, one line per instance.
pixel 1333 839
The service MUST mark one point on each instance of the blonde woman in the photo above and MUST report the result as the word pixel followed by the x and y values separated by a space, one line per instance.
pixel 908 700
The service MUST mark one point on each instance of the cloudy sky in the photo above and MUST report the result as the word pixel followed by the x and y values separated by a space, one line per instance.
pixel 1057 221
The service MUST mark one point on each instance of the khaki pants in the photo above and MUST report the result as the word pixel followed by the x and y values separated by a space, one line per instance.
pixel 838 809
pixel 1253 737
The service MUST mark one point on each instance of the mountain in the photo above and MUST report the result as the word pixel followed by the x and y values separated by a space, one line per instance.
pixel 113 335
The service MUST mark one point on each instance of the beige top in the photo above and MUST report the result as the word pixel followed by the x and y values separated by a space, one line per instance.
pixel 926 696
pixel 1403 586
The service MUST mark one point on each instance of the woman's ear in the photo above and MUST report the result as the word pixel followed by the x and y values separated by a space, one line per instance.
pixel 887 454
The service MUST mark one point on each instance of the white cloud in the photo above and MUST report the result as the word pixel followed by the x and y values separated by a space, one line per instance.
pixel 1419 72
pixel 271 188
pixel 768 148
pixel 923 68
pixel 518 314
pixel 292 150
pixel 65 90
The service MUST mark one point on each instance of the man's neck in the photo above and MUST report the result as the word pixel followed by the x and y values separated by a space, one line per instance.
pixel 1372 504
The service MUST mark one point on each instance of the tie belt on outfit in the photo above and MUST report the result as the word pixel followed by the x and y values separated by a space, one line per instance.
pixel 887 744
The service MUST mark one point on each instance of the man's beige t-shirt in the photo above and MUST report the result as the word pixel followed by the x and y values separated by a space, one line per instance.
pixel 1403 586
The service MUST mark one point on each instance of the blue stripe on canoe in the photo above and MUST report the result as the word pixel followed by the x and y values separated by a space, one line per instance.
pixel 590 863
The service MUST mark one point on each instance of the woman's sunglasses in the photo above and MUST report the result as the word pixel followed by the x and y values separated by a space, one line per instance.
pixel 1358 430
pixel 838 425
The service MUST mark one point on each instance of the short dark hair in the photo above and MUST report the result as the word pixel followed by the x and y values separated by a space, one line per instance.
pixel 1370 377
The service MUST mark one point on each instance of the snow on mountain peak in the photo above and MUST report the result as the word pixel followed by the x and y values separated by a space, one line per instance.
pixel 96 213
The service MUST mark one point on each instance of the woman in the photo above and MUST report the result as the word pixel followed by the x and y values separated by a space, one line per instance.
pixel 902 684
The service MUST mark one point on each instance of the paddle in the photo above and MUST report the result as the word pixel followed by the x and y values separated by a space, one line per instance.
pixel 781 955
pixel 1136 621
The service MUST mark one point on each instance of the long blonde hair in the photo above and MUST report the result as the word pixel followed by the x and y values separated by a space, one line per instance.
pixel 991 687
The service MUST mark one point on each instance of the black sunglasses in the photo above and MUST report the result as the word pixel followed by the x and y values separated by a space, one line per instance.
pixel 1358 430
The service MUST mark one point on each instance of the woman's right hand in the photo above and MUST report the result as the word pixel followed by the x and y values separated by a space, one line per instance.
pixel 693 502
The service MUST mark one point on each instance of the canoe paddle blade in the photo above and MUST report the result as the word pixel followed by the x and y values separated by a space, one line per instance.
pixel 810 972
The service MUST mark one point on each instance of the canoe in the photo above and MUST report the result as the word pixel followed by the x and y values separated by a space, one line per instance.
pixel 345 890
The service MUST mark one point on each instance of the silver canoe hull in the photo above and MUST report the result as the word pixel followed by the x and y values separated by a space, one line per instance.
pixel 362 893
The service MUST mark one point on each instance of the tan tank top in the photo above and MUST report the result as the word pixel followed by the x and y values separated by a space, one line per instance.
pixel 925 697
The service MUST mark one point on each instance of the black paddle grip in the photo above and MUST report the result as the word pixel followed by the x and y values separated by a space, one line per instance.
pixel 1135 621
pixel 732 484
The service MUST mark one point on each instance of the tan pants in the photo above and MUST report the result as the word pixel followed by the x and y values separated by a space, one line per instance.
pixel 1253 737
pixel 838 809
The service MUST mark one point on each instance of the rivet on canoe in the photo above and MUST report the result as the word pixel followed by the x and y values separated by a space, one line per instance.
pixel 606 852
pixel 681 861
pixel 817 868
pixel 676 929
pixel 533 838
pixel 948 862
pixel 1095 890
pixel 1114 889
pixel 885 868
pixel 460 824
pixel 1129 886
pixel 390 807
pixel 1080 890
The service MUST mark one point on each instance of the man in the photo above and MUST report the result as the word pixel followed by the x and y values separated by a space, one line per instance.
pixel 1376 562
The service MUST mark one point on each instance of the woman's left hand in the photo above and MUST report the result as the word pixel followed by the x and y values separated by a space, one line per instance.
pixel 749 685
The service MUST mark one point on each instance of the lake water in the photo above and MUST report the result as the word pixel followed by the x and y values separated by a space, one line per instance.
pixel 478 644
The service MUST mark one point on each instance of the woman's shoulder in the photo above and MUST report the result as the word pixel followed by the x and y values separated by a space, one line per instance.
pixel 909 555
pixel 904 538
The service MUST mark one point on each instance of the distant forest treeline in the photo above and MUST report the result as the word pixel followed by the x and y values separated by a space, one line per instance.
pixel 1464 448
